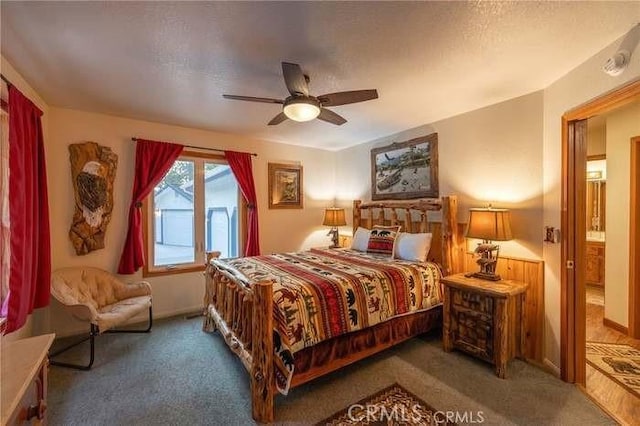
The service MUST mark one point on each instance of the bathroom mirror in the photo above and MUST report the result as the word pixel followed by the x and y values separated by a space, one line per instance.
pixel 596 196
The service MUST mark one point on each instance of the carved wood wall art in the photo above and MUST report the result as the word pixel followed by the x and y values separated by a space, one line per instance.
pixel 405 170
pixel 93 169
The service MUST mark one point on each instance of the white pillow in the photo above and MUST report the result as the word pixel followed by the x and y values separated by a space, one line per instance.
pixel 413 247
pixel 360 240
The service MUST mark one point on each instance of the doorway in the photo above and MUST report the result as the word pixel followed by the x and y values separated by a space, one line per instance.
pixel 574 242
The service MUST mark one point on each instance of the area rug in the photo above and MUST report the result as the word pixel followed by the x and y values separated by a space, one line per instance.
pixel 391 406
pixel 619 362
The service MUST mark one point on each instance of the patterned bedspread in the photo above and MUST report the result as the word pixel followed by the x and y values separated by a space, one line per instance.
pixel 322 293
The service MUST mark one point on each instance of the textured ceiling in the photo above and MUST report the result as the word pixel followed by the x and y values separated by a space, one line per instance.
pixel 171 61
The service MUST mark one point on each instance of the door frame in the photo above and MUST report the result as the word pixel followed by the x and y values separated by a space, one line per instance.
pixel 572 294
pixel 634 240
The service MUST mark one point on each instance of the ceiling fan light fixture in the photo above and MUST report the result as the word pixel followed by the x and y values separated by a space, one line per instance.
pixel 302 109
pixel 301 106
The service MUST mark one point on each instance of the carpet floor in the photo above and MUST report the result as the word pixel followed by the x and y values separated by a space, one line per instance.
pixel 179 375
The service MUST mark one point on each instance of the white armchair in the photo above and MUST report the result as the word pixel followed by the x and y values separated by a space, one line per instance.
pixel 98 297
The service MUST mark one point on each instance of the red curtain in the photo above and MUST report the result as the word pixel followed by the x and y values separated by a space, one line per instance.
pixel 153 161
pixel 240 163
pixel 30 263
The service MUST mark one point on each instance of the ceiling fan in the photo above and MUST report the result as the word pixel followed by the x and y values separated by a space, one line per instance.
pixel 301 106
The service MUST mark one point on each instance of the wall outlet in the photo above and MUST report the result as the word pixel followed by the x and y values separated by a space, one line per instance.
pixel 551 235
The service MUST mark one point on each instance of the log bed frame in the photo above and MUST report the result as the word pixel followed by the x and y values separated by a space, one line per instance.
pixel 243 312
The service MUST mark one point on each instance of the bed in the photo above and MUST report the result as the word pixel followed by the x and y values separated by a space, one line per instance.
pixel 293 317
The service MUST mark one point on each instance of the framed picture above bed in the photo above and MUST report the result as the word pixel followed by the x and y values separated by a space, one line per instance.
pixel 405 170
pixel 285 186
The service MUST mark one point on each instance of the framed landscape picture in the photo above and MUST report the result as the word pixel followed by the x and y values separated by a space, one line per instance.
pixel 285 186
pixel 405 170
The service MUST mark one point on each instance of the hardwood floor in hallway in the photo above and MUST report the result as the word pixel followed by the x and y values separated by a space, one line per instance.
pixel 624 405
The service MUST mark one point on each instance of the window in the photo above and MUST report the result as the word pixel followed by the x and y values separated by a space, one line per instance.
pixel 194 209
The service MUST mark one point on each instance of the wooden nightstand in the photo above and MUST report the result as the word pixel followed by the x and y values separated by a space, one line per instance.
pixel 345 240
pixel 484 319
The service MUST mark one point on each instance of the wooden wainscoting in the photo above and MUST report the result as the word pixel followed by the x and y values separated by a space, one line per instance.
pixel 532 273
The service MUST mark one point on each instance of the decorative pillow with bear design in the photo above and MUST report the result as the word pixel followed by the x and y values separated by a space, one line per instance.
pixel 382 239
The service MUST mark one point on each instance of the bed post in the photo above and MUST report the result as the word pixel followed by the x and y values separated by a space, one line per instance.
pixel 356 215
pixel 208 324
pixel 262 374
pixel 450 237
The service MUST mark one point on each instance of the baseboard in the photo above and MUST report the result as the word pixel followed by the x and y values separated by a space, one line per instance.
pixel 168 314
pixel 551 367
pixel 136 320
pixel 616 326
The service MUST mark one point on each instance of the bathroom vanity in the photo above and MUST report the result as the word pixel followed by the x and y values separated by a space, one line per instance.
pixel 596 214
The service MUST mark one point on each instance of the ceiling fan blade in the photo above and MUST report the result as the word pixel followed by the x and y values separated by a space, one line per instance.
pixel 294 79
pixel 278 119
pixel 253 99
pixel 351 97
pixel 331 117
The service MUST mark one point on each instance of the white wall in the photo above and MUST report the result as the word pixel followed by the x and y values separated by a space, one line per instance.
pixel 622 125
pixel 585 82
pixel 280 230
pixel 596 137
pixel 491 155
pixel 21 84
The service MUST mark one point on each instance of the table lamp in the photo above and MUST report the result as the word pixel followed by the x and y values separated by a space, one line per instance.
pixel 488 225
pixel 334 217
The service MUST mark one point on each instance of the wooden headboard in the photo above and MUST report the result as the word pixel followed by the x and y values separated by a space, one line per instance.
pixel 413 217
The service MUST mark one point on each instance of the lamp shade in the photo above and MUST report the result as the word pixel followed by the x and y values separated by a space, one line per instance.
pixel 301 109
pixel 334 217
pixel 489 224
